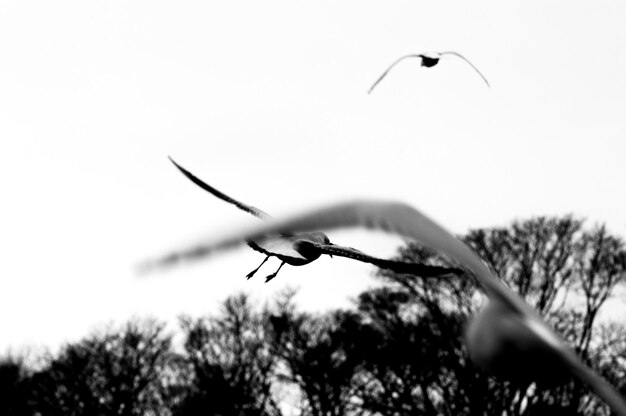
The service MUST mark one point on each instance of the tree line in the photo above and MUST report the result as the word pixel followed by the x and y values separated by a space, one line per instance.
pixel 399 351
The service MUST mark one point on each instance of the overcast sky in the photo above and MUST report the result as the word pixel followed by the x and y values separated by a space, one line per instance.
pixel 267 101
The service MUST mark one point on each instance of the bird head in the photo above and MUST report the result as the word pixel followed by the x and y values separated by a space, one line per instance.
pixel 515 346
pixel 320 238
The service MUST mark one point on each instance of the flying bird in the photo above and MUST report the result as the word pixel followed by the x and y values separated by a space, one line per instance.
pixel 427 60
pixel 298 249
pixel 506 337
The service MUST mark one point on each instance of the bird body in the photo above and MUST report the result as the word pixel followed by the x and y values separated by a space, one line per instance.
pixel 296 250
pixel 507 336
pixel 427 60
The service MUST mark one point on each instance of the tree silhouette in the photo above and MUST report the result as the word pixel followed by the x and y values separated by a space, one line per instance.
pixel 14 376
pixel 315 353
pixel 121 372
pixel 231 364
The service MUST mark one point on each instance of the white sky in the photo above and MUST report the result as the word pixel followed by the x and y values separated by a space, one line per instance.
pixel 267 102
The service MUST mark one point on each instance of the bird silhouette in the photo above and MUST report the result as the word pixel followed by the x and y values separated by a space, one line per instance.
pixel 506 337
pixel 297 249
pixel 427 60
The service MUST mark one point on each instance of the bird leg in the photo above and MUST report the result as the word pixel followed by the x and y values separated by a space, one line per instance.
pixel 249 275
pixel 273 275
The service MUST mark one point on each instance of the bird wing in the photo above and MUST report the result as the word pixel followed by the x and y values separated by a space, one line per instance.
pixel 279 246
pixel 384 74
pixel 402 219
pixel 419 269
pixel 393 217
pixel 244 207
pixel 467 60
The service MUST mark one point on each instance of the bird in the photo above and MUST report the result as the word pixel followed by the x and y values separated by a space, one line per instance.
pixel 506 337
pixel 298 249
pixel 427 60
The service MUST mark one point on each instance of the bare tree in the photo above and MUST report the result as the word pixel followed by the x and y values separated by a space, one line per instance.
pixel 315 355
pixel 231 364
pixel 116 372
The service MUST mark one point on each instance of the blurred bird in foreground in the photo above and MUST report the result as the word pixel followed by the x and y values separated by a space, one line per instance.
pixel 427 60
pixel 301 248
pixel 506 337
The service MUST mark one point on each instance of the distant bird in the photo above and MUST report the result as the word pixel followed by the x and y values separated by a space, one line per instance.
pixel 507 337
pixel 427 60
pixel 302 248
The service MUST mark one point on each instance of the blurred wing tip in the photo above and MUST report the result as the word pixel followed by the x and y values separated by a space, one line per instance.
pixel 148 267
pixel 144 269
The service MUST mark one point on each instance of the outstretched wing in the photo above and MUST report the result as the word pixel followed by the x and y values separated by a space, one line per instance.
pixel 394 217
pixel 247 208
pixel 384 74
pixel 418 269
pixel 402 219
pixel 467 60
